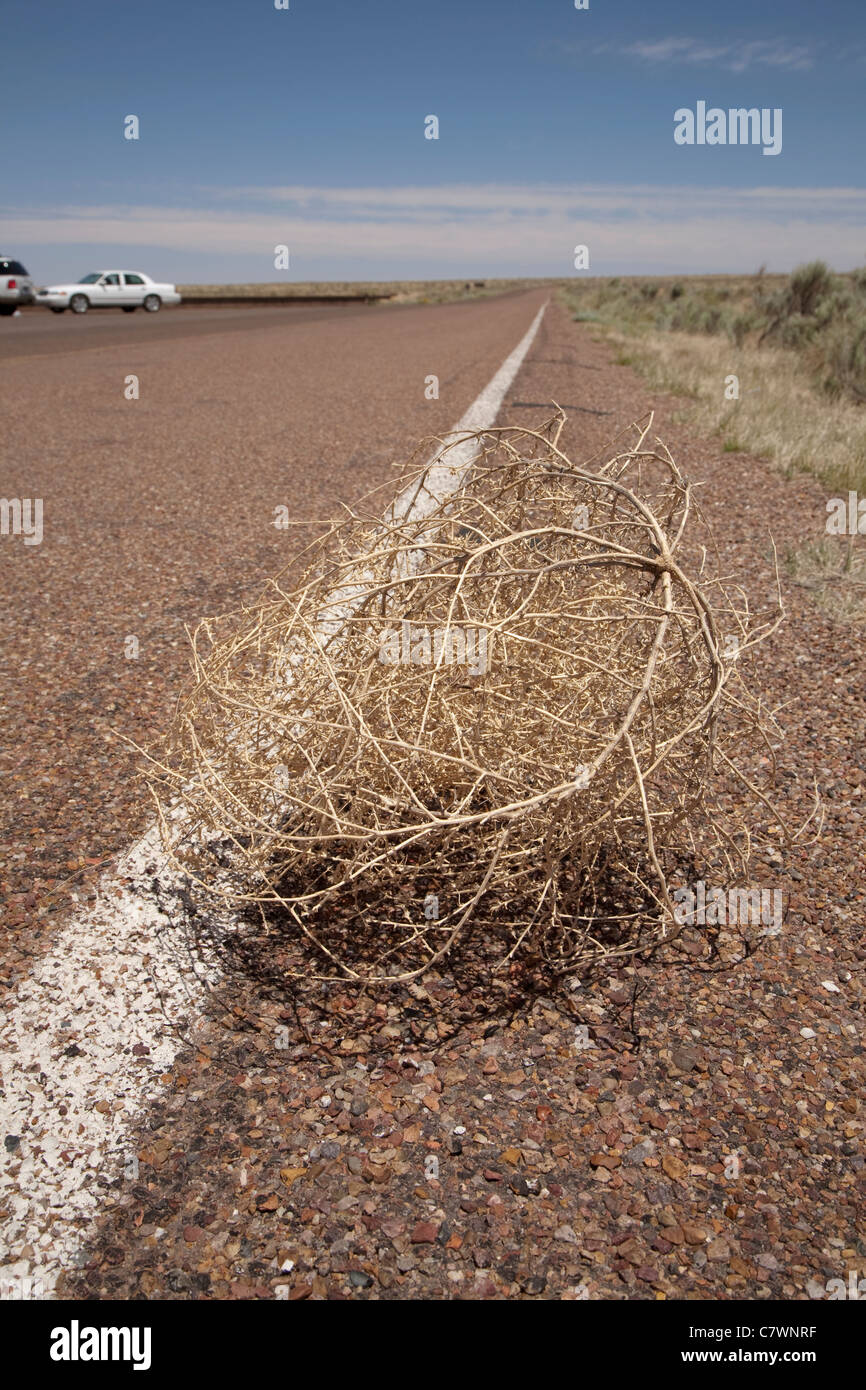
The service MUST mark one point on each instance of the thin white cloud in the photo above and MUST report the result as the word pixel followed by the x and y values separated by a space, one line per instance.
pixel 737 56
pixel 502 229
pixel 448 200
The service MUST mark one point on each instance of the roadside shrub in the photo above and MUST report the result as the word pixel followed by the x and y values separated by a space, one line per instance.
pixel 694 316
pixel 792 313
pixel 814 312
pixel 809 284
pixel 844 358
pixel 740 327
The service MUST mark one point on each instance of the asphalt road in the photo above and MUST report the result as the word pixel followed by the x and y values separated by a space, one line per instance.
pixel 37 331
pixel 160 511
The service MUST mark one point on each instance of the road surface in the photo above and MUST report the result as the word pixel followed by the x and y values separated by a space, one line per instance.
pixel 702 1140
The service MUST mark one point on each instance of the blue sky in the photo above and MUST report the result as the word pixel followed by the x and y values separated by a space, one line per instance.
pixel 306 127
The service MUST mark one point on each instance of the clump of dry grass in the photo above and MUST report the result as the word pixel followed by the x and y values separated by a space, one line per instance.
pixel 779 413
pixel 491 721
pixel 835 573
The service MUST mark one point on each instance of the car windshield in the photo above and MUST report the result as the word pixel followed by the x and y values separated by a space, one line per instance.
pixel 91 279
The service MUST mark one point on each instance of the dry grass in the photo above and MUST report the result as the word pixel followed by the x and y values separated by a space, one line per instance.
pixel 835 573
pixel 390 291
pixel 794 342
pixel 797 346
pixel 282 289
pixel 780 414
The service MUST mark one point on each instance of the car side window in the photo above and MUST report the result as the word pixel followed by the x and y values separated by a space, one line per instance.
pixel 133 279
pixel 110 280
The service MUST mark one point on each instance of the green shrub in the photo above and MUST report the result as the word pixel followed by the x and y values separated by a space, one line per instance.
pixel 844 358
pixel 741 325
pixel 792 313
pixel 809 284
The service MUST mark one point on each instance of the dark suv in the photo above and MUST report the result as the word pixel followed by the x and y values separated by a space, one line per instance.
pixel 16 287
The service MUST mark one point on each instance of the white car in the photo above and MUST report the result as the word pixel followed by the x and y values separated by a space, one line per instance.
pixel 109 289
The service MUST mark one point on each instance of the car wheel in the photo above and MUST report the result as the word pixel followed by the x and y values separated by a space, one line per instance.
pixel 152 303
pixel 129 308
pixel 79 304
pixel 57 311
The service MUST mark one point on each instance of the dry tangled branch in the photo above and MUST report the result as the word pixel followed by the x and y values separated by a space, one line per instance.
pixel 492 718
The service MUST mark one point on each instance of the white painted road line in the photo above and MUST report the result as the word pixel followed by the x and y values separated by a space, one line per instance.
pixel 81 1054
pixel 444 476
pixel 102 1017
